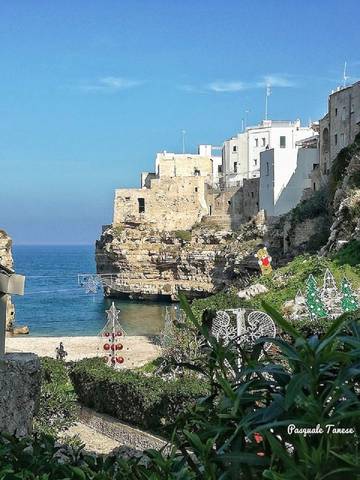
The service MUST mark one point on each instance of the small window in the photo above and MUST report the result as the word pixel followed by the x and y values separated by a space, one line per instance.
pixel 256 142
pixel 235 167
pixel 335 138
pixel 267 168
pixel 219 168
pixel 141 202
pixel 210 209
pixel 282 141
pixel 343 114
pixel 263 142
pixel 335 112
pixel 229 202
pixel 197 172
pixel 127 198
pixel 314 186
pixel 252 194
pixel 196 189
pixel 255 161
pixel 234 148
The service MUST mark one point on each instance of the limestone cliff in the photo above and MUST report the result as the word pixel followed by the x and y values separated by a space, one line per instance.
pixel 152 264
pixel 7 261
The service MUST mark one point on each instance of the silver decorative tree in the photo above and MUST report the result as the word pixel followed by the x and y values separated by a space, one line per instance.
pixel 330 296
pixel 112 336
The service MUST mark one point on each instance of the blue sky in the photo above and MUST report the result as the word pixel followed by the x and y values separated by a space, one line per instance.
pixel 91 90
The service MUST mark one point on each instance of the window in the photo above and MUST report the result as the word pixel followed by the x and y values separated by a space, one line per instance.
pixel 267 168
pixel 234 148
pixel 127 198
pixel 141 202
pixel 229 202
pixel 235 167
pixel 210 209
pixel 255 161
pixel 263 142
pixel 335 138
pixel 252 194
pixel 197 172
pixel 343 114
pixel 314 186
pixel 256 142
pixel 282 141
pixel 335 112
pixel 342 139
pixel 196 189
pixel 219 168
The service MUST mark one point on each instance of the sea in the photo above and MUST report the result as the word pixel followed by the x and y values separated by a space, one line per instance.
pixel 55 304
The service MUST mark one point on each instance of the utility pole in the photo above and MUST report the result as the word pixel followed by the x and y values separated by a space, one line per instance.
pixel 268 93
pixel 246 118
pixel 183 132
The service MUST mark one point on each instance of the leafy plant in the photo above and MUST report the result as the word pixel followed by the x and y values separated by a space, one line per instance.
pixel 57 406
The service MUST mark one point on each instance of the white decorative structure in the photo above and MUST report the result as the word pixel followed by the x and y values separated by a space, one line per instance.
pixel 111 338
pixel 249 327
pixel 330 296
pixel 90 282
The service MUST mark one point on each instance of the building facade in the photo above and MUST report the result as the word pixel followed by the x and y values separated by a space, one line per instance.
pixel 284 175
pixel 241 154
pixel 339 126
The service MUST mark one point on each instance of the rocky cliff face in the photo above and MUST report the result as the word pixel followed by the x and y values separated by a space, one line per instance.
pixel 5 250
pixel 7 261
pixel 151 264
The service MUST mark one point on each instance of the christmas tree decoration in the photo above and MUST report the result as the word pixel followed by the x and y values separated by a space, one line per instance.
pixel 349 301
pixel 314 303
pixel 112 336
pixel 264 260
pixel 330 296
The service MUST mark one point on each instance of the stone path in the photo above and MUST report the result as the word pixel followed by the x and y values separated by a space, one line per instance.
pixel 93 440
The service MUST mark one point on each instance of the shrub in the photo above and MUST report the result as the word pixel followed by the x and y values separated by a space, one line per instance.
pixel 57 407
pixel 312 207
pixel 184 235
pixel 349 254
pixel 133 397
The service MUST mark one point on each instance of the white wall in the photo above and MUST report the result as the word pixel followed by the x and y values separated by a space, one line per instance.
pixel 284 174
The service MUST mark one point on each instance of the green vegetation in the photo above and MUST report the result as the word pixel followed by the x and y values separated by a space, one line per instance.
pixel 349 254
pixel 340 165
pixel 118 229
pixel 147 402
pixel 184 235
pixel 283 284
pixel 314 206
pixel 243 429
pixel 57 408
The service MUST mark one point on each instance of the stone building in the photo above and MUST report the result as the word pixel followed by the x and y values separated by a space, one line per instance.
pixel 285 174
pixel 339 126
pixel 250 205
pixel 241 154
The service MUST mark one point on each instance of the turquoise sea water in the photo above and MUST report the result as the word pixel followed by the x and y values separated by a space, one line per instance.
pixel 55 305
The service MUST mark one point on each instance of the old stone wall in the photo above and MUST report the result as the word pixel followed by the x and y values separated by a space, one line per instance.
pixel 19 392
pixel 170 204
pixel 175 165
pixel 224 207
pixel 250 205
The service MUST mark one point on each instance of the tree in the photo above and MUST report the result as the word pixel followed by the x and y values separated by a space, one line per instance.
pixel 349 302
pixel 313 301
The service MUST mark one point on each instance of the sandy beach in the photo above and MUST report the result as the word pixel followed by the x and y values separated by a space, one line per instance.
pixel 138 350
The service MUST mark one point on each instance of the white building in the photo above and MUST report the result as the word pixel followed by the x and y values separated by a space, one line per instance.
pixel 284 174
pixel 241 154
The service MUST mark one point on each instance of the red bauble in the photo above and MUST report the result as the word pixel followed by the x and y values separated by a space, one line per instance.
pixel 106 346
pixel 119 346
pixel 112 347
pixel 119 334
pixel 106 334
pixel 120 359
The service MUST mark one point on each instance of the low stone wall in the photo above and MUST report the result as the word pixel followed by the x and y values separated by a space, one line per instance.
pixel 19 392
pixel 122 433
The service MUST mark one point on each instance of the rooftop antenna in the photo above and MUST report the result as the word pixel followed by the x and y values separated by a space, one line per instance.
pixel 345 77
pixel 242 124
pixel 268 93
pixel 246 117
pixel 183 132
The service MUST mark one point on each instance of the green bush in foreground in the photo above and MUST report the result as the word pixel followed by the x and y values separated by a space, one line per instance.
pixel 57 407
pixel 248 427
pixel 147 402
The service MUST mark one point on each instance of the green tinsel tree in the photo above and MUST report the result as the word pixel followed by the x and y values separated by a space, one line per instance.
pixel 349 302
pixel 313 301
